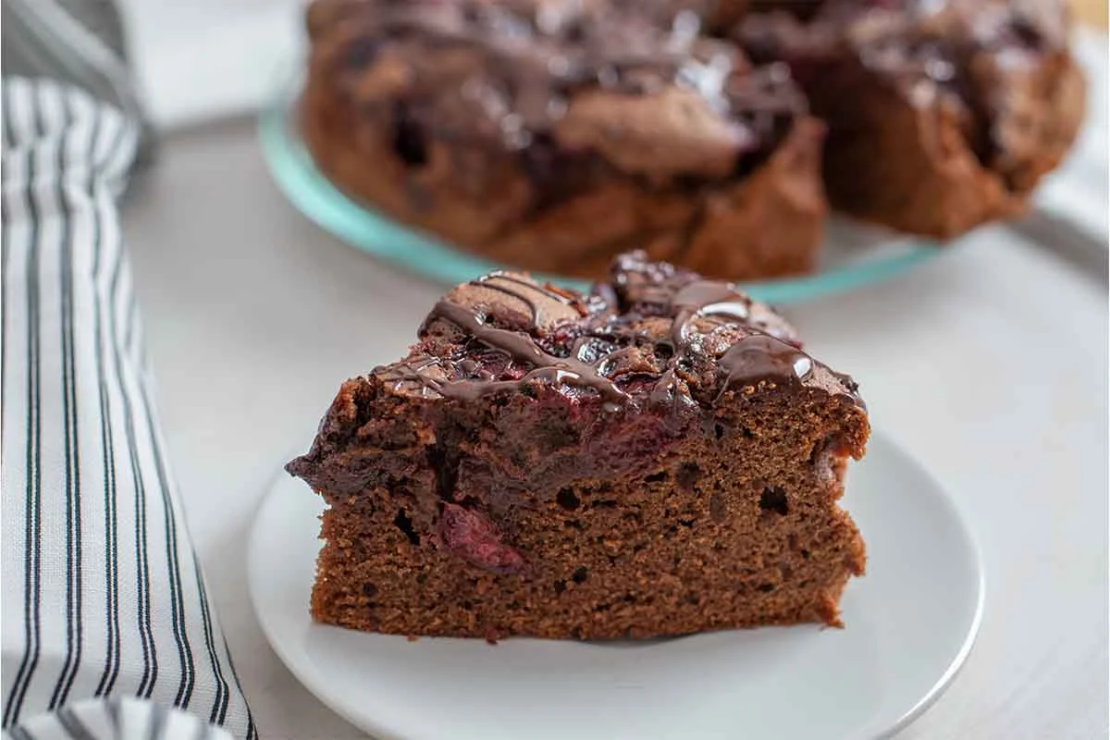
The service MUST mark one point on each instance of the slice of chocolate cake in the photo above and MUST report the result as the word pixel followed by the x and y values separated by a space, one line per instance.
pixel 658 457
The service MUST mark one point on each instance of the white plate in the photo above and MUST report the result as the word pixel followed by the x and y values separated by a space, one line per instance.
pixel 910 624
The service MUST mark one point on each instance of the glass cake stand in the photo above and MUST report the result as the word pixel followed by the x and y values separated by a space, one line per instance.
pixel 852 256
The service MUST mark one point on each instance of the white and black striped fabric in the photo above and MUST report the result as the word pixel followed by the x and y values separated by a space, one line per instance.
pixel 103 595
pixel 116 719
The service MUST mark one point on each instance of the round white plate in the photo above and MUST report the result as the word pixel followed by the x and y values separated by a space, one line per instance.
pixel 910 623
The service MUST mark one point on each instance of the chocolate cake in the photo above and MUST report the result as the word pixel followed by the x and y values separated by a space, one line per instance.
pixel 657 457
pixel 941 115
pixel 551 134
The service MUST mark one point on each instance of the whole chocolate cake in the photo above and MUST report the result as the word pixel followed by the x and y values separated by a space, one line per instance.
pixel 552 135
pixel 658 457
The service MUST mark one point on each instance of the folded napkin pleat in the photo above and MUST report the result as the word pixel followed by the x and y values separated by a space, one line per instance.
pixel 103 595
pixel 116 719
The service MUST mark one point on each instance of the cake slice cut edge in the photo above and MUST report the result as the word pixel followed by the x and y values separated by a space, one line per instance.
pixel 658 457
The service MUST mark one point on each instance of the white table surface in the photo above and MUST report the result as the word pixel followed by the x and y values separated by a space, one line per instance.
pixel 989 364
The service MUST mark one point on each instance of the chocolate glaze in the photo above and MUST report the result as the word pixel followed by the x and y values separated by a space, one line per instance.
pixel 761 357
pixel 522 349
pixel 530 289
pixel 654 335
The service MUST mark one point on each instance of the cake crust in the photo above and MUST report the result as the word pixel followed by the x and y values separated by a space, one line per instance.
pixel 658 457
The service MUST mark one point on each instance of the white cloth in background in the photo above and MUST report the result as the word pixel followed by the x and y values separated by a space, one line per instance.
pixel 102 593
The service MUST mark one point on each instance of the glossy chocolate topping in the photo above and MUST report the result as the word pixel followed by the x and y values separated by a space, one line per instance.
pixel 652 335
pixel 523 350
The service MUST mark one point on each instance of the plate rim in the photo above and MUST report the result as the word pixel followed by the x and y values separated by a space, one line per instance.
pixel 959 660
pixel 382 732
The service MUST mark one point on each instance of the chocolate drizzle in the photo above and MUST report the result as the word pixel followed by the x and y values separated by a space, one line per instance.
pixel 705 298
pixel 521 348
pixel 761 357
pixel 753 358
pixel 700 298
pixel 492 281
pixel 607 343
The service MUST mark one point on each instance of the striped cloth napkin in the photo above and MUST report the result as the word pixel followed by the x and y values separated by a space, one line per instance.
pixel 103 596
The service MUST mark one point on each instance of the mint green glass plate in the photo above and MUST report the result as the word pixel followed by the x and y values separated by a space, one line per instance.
pixel 852 256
